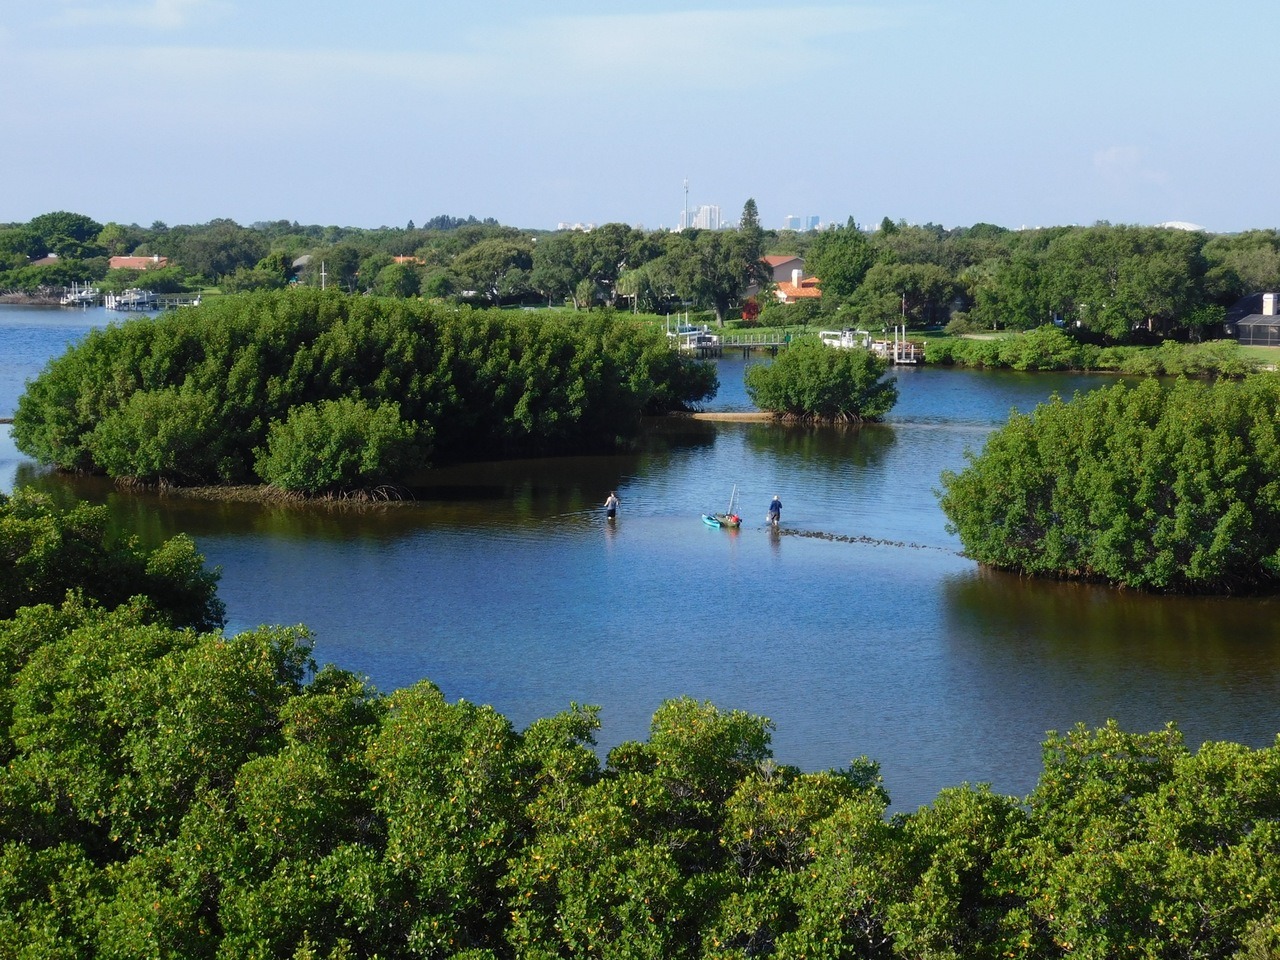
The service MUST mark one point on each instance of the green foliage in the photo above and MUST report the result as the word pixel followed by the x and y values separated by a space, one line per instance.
pixel 1161 488
pixel 66 234
pixel 63 273
pixel 840 258
pixel 293 381
pixel 810 381
pixel 213 250
pixel 496 269
pixel 46 552
pixel 168 793
pixel 1049 348
pixel 1138 845
pixel 168 434
pixel 337 446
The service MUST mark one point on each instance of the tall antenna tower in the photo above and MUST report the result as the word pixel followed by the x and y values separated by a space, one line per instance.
pixel 684 223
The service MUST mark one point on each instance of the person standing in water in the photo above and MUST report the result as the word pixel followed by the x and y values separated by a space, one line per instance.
pixel 611 505
pixel 775 510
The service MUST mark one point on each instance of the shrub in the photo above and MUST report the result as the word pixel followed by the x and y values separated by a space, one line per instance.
pixel 1044 348
pixel 46 552
pixel 810 381
pixel 187 397
pixel 337 446
pixel 158 435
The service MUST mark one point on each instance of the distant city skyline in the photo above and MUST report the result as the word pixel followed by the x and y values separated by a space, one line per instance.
pixel 595 111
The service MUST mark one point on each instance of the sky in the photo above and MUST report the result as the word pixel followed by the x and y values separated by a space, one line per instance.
pixel 1021 113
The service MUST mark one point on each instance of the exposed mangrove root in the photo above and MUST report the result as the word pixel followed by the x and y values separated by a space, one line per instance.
pixel 386 494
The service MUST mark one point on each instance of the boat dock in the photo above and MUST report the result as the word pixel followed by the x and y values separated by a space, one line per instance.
pixel 899 350
pixel 704 344
pixel 134 300
pixel 131 300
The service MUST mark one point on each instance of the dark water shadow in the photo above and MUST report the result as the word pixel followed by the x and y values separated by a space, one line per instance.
pixel 1046 655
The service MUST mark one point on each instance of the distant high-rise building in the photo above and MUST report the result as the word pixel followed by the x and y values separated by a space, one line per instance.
pixel 791 222
pixel 706 217
pixel 811 223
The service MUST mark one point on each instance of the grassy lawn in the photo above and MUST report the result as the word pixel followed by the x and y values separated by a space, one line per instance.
pixel 1268 356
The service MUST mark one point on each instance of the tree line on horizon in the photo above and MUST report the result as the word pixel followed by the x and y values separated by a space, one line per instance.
pixel 1115 283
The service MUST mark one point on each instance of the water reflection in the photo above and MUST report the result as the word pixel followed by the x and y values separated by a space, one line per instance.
pixel 856 446
pixel 1046 655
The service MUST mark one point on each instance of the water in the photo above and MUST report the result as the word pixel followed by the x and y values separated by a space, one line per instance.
pixel 859 629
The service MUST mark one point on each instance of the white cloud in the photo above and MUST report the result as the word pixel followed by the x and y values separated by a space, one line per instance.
pixel 707 46
pixel 521 58
pixel 152 15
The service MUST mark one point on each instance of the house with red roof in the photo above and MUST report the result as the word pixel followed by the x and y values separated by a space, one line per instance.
pixel 154 262
pixel 798 288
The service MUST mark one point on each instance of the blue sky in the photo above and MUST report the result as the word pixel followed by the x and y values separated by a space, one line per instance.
pixel 1016 112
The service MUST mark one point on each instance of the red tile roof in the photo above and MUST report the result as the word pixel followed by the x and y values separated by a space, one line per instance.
pixel 137 263
pixel 806 289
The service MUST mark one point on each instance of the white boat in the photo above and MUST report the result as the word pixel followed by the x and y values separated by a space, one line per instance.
pixel 845 339
pixel 78 296
pixel 132 299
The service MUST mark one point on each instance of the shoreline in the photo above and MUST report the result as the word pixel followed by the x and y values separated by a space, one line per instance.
pixel 30 299
pixel 727 416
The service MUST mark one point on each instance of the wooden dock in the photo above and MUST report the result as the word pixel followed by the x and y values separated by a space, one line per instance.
pixel 134 301
pixel 716 345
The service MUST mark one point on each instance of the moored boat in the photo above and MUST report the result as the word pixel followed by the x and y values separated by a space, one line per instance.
pixel 729 519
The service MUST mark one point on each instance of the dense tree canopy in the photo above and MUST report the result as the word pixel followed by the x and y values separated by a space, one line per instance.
pixel 66 234
pixel 218 393
pixel 1167 488
pixel 1104 283
pixel 840 258
pixel 1121 283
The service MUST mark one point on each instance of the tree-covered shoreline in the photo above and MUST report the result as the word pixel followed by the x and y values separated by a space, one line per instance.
pixel 1107 283
pixel 1050 348
pixel 1162 487
pixel 168 791
pixel 323 392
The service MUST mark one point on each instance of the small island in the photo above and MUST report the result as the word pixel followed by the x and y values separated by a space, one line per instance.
pixel 324 393
pixel 1167 488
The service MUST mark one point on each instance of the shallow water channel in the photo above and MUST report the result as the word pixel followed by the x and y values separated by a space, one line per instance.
pixel 858 627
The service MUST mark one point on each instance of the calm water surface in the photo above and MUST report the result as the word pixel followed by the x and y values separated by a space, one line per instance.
pixel 859 629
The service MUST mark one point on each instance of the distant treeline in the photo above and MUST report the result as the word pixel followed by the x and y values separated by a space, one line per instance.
pixel 324 392
pixel 175 793
pixel 1049 348
pixel 1106 283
